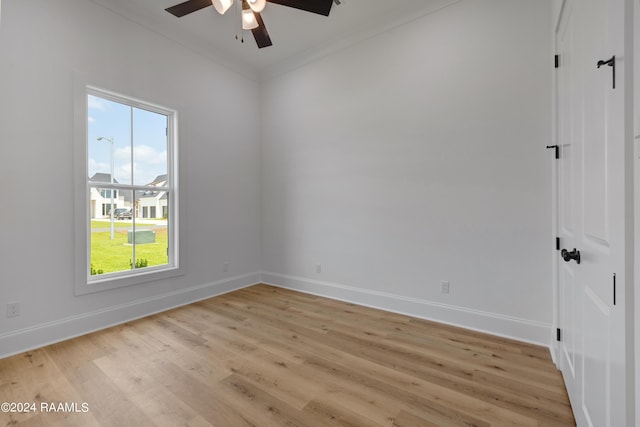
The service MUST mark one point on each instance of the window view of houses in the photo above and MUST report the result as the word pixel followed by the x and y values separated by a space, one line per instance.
pixel 136 236
pixel 151 204
pixel 129 186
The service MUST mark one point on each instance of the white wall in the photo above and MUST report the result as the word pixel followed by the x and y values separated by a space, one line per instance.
pixel 556 10
pixel 44 46
pixel 418 156
pixel 412 157
pixel 635 325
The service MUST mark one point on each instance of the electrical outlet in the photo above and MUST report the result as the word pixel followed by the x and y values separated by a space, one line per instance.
pixel 318 268
pixel 225 266
pixel 444 287
pixel 13 309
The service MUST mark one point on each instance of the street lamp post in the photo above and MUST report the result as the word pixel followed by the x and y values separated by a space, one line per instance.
pixel 110 140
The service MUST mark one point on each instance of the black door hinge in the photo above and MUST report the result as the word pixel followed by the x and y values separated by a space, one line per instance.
pixel 557 243
pixel 557 61
pixel 611 62
pixel 558 335
pixel 557 148
pixel 614 288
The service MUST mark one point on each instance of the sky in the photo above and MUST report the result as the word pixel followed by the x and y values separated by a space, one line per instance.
pixel 112 120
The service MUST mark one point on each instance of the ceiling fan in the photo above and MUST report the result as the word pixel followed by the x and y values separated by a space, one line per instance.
pixel 251 18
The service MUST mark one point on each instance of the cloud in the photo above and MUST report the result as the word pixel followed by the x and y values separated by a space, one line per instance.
pixel 148 164
pixel 123 173
pixel 146 154
pixel 94 103
pixel 95 166
pixel 142 154
pixel 91 119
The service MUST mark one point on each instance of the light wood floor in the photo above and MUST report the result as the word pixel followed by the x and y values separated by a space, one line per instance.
pixel 264 356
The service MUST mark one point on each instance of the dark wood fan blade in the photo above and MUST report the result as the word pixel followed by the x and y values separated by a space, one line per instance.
pixel 260 33
pixel 188 7
pixel 321 7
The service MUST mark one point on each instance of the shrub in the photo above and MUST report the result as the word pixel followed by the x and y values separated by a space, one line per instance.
pixel 140 263
pixel 94 271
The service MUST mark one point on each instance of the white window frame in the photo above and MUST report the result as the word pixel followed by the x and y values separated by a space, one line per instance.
pixel 85 283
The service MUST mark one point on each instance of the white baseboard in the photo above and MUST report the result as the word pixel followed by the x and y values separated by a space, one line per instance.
pixel 495 324
pixel 59 330
pixel 21 340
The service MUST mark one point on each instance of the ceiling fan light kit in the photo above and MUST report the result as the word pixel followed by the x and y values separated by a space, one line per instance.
pixel 257 5
pixel 222 5
pixel 251 18
pixel 249 21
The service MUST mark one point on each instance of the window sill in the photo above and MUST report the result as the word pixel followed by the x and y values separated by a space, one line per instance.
pixel 85 286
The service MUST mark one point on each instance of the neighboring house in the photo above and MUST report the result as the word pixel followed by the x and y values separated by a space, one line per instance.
pixel 100 198
pixel 151 203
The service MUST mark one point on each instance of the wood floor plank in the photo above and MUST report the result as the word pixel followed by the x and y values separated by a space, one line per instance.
pixel 407 419
pixel 208 400
pixel 154 399
pixel 106 403
pixel 332 413
pixel 36 376
pixel 267 356
pixel 423 396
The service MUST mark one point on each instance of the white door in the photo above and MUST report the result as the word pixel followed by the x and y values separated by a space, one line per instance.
pixel 591 199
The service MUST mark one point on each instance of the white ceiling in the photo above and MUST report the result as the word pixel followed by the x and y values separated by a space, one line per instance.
pixel 297 36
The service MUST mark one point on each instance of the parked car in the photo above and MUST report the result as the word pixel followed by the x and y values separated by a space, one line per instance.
pixel 122 214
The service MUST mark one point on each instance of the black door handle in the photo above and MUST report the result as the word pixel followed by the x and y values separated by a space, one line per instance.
pixel 568 256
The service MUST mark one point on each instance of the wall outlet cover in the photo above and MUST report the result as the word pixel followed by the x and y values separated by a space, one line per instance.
pixel 444 287
pixel 13 309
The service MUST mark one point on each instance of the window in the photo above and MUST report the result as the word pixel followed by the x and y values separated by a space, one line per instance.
pixel 131 153
pixel 106 194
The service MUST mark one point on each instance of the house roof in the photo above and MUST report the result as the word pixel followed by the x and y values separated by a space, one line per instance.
pixel 159 179
pixel 105 177
pixel 149 194
pixel 102 177
pixel 152 194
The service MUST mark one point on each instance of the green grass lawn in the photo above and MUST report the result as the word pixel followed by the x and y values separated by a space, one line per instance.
pixel 107 224
pixel 116 223
pixel 116 255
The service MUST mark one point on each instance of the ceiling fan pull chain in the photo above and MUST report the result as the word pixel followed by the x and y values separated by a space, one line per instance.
pixel 240 4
